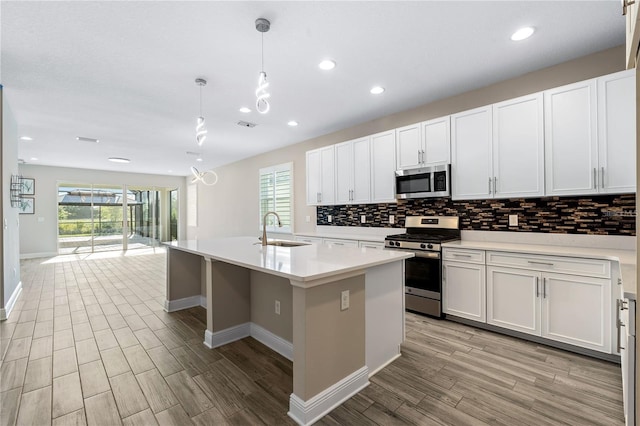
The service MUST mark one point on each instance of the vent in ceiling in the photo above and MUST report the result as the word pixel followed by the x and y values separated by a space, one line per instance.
pixel 246 124
pixel 195 154
pixel 84 139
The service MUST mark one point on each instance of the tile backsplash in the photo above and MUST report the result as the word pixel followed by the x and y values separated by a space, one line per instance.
pixel 598 215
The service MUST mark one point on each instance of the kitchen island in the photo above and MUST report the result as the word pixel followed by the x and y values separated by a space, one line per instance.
pixel 336 312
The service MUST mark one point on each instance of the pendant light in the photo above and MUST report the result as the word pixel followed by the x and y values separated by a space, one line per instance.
pixel 209 177
pixel 262 96
pixel 201 128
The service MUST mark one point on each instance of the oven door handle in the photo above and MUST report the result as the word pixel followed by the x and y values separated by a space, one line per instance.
pixel 427 255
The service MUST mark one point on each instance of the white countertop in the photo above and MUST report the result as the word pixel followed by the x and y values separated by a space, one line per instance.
pixel 376 238
pixel 302 263
pixel 625 258
pixel 353 233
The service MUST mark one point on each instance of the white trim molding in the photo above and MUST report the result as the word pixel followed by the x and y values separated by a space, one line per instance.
pixel 179 304
pixel 6 310
pixel 228 335
pixel 38 255
pixel 308 412
pixel 272 341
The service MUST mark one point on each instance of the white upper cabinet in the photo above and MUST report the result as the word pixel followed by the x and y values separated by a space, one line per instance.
pixel 321 176
pixel 353 171
pixel 471 172
pixel 436 141
pixel 424 144
pixel 383 166
pixel 571 149
pixel 409 146
pixel 590 132
pixel 617 132
pixel 518 147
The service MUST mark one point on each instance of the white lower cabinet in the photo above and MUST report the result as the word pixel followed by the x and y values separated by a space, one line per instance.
pixel 463 286
pixel 513 299
pixel 567 308
pixel 577 310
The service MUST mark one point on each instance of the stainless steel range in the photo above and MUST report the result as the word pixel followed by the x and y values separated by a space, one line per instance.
pixel 423 273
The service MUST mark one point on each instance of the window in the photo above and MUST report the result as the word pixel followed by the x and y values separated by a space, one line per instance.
pixel 276 194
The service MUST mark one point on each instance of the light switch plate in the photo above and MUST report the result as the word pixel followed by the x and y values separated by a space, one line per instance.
pixel 329 218
pixel 392 219
pixel 307 219
pixel 277 307
pixel 363 219
pixel 513 220
pixel 40 219
pixel 344 300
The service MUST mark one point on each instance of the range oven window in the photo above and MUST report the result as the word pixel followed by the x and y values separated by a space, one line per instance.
pixel 423 274
pixel 411 184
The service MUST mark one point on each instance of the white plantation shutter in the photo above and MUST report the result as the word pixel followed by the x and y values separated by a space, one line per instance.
pixel 276 194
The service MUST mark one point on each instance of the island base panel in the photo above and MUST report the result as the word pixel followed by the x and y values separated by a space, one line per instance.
pixel 184 280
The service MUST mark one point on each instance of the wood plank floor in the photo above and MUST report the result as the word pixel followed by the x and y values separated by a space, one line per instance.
pixel 89 343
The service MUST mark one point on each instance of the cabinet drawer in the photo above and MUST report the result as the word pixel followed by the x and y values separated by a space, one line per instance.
pixel 312 240
pixel 463 255
pixel 563 265
pixel 377 245
pixel 336 242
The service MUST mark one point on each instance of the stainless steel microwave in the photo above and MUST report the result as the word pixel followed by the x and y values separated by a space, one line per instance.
pixel 424 182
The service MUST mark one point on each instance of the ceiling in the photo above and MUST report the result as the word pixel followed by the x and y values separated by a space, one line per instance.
pixel 123 72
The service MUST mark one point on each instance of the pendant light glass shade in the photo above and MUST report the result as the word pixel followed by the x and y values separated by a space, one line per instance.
pixel 262 96
pixel 209 178
pixel 201 131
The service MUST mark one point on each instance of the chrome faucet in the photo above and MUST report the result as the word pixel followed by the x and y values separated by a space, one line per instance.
pixel 264 226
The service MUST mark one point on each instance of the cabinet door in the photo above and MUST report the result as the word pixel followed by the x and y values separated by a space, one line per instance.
pixel 344 172
pixel 436 140
pixel 571 156
pixel 632 34
pixel 513 299
pixel 327 175
pixel 361 186
pixel 471 154
pixel 409 143
pixel 518 147
pixel 577 310
pixel 617 132
pixel 383 167
pixel 463 288
pixel 314 165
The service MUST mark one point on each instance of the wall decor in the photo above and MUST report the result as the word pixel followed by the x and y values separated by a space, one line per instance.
pixel 594 215
pixel 27 205
pixel 15 191
pixel 28 186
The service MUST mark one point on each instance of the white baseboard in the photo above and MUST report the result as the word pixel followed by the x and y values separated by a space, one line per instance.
pixel 272 341
pixel 310 411
pixel 6 310
pixel 37 255
pixel 185 303
pixel 203 301
pixel 228 335
pixel 371 373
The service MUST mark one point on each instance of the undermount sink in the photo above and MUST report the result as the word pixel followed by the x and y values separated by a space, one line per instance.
pixel 286 243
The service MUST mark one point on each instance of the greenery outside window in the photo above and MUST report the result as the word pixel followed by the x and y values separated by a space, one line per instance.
pixel 276 194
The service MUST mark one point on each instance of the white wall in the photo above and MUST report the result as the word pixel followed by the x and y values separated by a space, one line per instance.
pixel 39 238
pixel 231 207
pixel 10 239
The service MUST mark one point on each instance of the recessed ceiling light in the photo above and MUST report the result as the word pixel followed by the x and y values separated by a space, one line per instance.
pixel 522 33
pixel 244 110
pixel 84 139
pixel 119 160
pixel 376 90
pixel 170 171
pixel 26 138
pixel 292 123
pixel 327 65
pixel 33 159
pixel 199 159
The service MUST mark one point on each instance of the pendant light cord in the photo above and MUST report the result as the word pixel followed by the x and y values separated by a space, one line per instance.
pixel 201 100
pixel 262 34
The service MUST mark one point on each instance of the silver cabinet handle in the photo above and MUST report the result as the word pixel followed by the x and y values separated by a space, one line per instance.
pixel 419 157
pixel 461 255
pixel 423 157
pixel 495 180
pixel 489 185
pixel 540 263
pixel 602 178
pixel 537 287
pixel 619 323
pixel 544 288
pixel 595 178
pixel 320 197
pixel 338 244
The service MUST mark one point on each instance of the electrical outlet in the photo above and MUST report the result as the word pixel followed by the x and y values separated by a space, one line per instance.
pixel 277 307
pixel 344 300
pixel 392 219
pixel 329 218
pixel 513 220
pixel 307 219
pixel 363 219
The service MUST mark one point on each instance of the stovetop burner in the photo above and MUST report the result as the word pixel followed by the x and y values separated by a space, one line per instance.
pixel 425 233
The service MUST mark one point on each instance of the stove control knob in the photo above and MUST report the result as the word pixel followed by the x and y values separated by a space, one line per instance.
pixel 397 244
pixel 429 246
pixel 422 246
